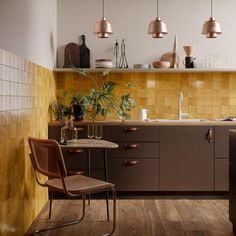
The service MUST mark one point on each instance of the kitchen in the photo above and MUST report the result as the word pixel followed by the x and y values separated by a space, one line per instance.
pixel 31 77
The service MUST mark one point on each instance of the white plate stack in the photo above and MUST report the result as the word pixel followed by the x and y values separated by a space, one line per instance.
pixel 104 63
pixel 141 66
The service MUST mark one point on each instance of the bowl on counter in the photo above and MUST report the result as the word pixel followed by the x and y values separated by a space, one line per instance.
pixel 161 64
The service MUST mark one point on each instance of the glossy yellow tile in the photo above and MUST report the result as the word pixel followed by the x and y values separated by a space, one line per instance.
pixel 203 93
pixel 26 90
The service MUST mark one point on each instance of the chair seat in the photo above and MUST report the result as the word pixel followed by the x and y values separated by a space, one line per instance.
pixel 79 184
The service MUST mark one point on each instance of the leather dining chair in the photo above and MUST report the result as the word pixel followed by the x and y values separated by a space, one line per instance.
pixel 47 159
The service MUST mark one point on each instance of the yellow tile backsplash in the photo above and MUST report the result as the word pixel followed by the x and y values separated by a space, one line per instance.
pixel 207 95
pixel 26 90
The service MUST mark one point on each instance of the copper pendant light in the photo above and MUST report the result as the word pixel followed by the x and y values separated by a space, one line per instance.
pixel 157 28
pixel 102 27
pixel 211 28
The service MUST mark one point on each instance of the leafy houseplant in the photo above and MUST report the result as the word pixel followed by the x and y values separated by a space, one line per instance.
pixel 60 110
pixel 98 102
pixel 127 103
pixel 76 101
pixel 101 100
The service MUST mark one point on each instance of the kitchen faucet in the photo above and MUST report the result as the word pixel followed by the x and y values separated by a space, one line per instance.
pixel 180 102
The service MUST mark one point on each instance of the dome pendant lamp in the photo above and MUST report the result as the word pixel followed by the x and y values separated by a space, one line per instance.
pixel 157 28
pixel 211 28
pixel 102 27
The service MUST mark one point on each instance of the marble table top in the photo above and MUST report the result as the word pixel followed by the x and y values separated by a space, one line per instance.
pixel 89 143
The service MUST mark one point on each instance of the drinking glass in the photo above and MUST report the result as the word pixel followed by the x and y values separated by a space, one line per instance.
pixel 76 134
pixel 98 132
pixel 90 131
pixel 63 139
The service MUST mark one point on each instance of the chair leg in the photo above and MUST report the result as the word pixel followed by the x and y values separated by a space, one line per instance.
pixel 50 203
pixel 107 205
pixel 114 213
pixel 64 224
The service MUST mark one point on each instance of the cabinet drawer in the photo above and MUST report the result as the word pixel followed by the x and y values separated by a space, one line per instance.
pixel 135 175
pixel 135 149
pixel 131 133
pixel 78 160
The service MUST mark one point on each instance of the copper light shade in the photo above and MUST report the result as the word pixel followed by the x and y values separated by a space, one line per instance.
pixel 157 28
pixel 211 28
pixel 102 27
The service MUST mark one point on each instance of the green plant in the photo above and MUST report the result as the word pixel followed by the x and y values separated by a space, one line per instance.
pixel 60 110
pixel 127 103
pixel 73 97
pixel 100 99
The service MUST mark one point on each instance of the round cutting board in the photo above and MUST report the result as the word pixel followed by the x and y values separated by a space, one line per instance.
pixel 169 56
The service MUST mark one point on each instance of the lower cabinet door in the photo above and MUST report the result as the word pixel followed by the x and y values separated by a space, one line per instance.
pixel 187 158
pixel 232 194
pixel 222 174
pixel 134 175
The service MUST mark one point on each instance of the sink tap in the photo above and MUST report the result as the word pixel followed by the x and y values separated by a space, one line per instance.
pixel 180 102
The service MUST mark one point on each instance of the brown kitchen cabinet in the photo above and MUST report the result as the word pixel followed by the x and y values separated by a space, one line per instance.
pixel 222 174
pixel 222 141
pixel 134 166
pixel 186 158
pixel 159 158
pixel 222 157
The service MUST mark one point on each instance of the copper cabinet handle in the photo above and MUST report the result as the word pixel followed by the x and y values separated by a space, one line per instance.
pixel 130 163
pixel 210 135
pixel 78 172
pixel 76 150
pixel 130 129
pixel 128 146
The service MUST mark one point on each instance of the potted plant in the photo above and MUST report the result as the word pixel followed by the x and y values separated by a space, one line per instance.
pixel 101 99
pixel 76 101
pixel 99 102
pixel 60 111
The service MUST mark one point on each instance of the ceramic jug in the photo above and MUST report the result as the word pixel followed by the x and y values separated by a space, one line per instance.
pixel 143 114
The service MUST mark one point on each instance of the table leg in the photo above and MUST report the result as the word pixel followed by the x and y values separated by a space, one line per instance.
pixel 106 178
pixel 89 170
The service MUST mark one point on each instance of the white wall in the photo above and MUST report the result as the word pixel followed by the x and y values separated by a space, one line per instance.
pixel 28 29
pixel 130 20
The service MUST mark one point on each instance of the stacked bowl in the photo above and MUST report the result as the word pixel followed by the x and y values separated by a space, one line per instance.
pixel 104 63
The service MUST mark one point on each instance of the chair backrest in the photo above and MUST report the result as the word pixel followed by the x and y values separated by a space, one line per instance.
pixel 46 157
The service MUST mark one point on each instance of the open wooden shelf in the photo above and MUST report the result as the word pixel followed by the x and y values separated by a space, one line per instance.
pixel 130 70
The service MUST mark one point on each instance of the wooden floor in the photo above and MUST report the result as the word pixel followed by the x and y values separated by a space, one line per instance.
pixel 141 218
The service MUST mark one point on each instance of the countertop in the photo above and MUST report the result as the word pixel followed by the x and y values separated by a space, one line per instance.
pixel 152 123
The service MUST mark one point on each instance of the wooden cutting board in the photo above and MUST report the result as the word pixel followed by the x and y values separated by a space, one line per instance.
pixel 84 54
pixel 172 57
pixel 72 56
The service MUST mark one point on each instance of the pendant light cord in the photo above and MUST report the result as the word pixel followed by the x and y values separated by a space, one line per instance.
pixel 211 8
pixel 102 8
pixel 157 9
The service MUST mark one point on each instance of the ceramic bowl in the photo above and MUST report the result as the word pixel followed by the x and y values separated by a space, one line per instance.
pixel 161 64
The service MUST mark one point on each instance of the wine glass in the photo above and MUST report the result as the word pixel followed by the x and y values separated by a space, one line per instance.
pixel 75 134
pixel 98 132
pixel 90 131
